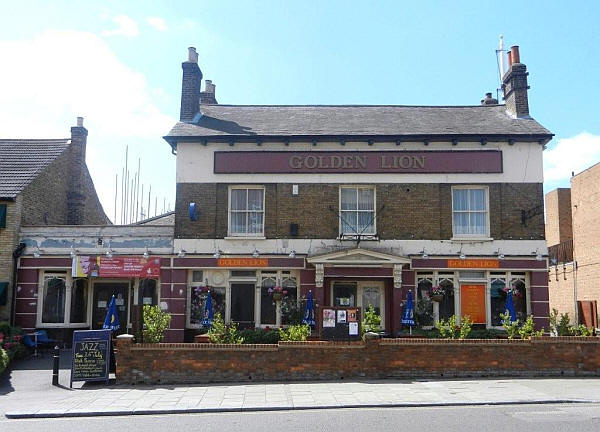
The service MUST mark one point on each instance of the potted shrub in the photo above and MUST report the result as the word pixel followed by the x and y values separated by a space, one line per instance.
pixel 155 323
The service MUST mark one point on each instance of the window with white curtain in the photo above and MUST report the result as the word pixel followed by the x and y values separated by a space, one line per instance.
pixel 357 215
pixel 246 211
pixel 470 215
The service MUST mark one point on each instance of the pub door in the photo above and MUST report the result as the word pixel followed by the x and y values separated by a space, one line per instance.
pixel 103 291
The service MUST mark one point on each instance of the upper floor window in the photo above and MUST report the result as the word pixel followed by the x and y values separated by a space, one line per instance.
pixel 357 215
pixel 470 213
pixel 247 211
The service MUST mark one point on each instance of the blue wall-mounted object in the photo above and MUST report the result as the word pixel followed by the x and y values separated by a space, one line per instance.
pixel 194 211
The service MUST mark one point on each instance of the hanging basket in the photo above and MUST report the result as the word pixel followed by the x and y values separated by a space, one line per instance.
pixel 437 297
pixel 277 296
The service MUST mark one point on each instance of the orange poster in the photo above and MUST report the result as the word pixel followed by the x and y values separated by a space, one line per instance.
pixel 472 302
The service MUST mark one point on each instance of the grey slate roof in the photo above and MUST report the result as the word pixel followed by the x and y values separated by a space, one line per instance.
pixel 354 120
pixel 21 160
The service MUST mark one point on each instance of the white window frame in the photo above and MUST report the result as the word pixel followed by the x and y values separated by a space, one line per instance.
pixel 260 235
pixel 486 235
pixel 341 212
pixel 68 293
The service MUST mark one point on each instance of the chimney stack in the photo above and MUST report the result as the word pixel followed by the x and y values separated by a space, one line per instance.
pixel 207 97
pixel 190 87
pixel 514 84
pixel 489 100
pixel 75 192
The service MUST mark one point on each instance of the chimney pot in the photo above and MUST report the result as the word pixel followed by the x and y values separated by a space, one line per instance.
pixel 510 62
pixel 79 121
pixel 192 55
pixel 514 50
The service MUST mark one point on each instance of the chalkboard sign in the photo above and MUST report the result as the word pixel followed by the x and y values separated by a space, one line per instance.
pixel 91 355
pixel 339 323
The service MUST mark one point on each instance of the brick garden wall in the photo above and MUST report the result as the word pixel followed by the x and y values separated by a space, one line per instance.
pixel 412 211
pixel 398 358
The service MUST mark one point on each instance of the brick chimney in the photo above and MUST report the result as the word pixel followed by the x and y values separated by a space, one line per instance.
pixel 190 87
pixel 514 84
pixel 75 192
pixel 207 97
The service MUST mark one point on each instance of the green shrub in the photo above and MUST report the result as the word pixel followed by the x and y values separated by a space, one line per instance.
pixel 3 360
pixel 483 333
pixel 559 326
pixel 11 340
pixel 372 321
pixel 224 334
pixel 298 332
pixel 581 330
pixel 449 329
pixel 424 312
pixel 465 327
pixel 155 323
pixel 259 336
pixel 528 329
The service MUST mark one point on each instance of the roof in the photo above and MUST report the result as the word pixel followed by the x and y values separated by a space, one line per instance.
pixel 21 160
pixel 167 218
pixel 232 121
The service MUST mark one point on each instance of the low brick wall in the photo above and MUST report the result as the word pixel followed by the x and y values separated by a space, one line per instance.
pixel 398 358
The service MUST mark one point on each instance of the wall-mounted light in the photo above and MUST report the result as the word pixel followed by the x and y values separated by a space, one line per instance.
pixel 292 254
pixel 217 254
pixel 181 253
pixel 109 252
pixel 146 255
pixel 73 253
pixel 538 254
pixel 462 255
pixel 500 255
pixel 36 252
pixel 255 254
pixel 424 254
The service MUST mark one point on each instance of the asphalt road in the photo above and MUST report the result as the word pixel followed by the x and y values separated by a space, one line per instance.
pixel 531 418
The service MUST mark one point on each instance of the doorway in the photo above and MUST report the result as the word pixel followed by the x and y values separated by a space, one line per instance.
pixel 103 291
pixel 362 294
pixel 242 303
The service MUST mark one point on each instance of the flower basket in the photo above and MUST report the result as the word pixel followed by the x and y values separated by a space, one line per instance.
pixel 277 296
pixel 437 297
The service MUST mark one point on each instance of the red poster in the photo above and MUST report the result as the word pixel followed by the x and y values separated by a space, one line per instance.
pixel 117 266
pixel 472 302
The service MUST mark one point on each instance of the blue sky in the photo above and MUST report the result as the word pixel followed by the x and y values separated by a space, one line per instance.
pixel 118 64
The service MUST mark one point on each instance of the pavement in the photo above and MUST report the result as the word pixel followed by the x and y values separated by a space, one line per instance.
pixel 26 392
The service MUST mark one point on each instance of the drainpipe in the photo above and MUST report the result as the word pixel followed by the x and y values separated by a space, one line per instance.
pixel 13 301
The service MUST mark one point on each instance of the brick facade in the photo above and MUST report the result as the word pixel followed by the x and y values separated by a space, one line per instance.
pixel 412 211
pixel 558 216
pixel 398 358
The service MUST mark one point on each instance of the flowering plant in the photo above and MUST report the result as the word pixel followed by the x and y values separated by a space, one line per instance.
pixel 198 298
pixel 277 290
pixel 436 291
pixel 514 291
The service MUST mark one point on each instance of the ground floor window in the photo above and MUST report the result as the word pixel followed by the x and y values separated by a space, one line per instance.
pixel 64 301
pixel 54 298
pixel 79 301
pixel 500 284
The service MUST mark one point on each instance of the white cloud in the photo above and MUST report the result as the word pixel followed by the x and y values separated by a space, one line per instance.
pixel 157 23
pixel 569 155
pixel 59 75
pixel 126 27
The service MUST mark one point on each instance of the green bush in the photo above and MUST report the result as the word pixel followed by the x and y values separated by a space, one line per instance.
pixel 298 332
pixel 259 336
pixel 424 312
pixel 224 334
pixel 483 333
pixel 581 330
pixel 155 323
pixel 3 360
pixel 559 326
pixel 11 340
pixel 449 329
pixel 511 327
pixel 372 321
pixel 528 329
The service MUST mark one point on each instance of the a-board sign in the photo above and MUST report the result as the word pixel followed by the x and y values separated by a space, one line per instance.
pixel 339 323
pixel 91 355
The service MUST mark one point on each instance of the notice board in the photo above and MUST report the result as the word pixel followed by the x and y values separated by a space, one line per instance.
pixel 91 355
pixel 339 323
pixel 472 302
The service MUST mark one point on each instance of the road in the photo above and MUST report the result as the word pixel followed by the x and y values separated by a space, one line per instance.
pixel 532 418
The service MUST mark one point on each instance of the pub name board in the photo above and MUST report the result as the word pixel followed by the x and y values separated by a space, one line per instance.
pixel 304 162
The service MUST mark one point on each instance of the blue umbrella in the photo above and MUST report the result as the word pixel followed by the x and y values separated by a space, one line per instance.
pixel 111 321
pixel 408 317
pixel 309 312
pixel 510 306
pixel 207 320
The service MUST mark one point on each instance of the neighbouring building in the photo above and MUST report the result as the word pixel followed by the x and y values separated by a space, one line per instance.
pixel 358 204
pixel 573 235
pixel 42 182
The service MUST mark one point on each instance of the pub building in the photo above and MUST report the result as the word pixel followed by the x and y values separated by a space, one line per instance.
pixel 359 204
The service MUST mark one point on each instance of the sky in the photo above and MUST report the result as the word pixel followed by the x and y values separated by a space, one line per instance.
pixel 118 65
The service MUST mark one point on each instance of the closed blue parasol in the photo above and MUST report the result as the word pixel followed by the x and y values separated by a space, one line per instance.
pixel 510 306
pixel 111 322
pixel 207 319
pixel 309 312
pixel 408 316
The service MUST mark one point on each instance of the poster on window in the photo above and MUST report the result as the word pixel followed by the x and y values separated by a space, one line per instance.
pixel 472 302
pixel 352 315
pixel 328 318
pixel 341 316
pixel 116 266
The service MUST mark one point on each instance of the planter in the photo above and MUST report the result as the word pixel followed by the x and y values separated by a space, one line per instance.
pixel 277 296
pixel 202 338
pixel 437 297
